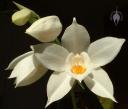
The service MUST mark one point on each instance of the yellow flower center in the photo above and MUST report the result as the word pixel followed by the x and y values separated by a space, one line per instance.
pixel 78 69
pixel 78 63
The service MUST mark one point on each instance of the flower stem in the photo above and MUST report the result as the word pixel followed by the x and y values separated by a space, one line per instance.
pixel 81 85
pixel 73 99
pixel 57 41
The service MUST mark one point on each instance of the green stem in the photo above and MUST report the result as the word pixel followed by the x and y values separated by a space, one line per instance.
pixel 81 85
pixel 33 17
pixel 57 41
pixel 73 99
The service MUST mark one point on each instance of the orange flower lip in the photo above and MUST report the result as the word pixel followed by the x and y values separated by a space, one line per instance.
pixel 78 69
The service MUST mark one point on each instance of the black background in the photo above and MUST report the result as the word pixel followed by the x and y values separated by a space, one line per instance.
pixel 94 15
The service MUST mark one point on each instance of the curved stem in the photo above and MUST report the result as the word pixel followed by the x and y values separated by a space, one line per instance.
pixel 73 99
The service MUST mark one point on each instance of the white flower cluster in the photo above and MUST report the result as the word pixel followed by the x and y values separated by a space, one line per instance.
pixel 74 59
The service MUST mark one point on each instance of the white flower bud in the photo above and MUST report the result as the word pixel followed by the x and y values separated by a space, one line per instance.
pixel 24 15
pixel 45 29
pixel 21 17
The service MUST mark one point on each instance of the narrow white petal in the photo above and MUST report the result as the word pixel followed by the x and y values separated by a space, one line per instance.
pixel 32 77
pixel 76 38
pixel 100 84
pixel 17 59
pixel 53 57
pixel 25 71
pixel 23 68
pixel 58 86
pixel 45 29
pixel 104 50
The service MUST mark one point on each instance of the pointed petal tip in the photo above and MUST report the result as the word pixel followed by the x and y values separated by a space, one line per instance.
pixel 7 68
pixel 47 104
pixel 19 6
pixel 14 2
pixel 16 86
pixel 114 100
pixel 123 40
pixel 74 20
pixel 26 31
pixel 31 47
pixel 9 77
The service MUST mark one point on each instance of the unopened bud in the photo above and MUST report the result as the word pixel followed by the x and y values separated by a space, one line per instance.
pixel 45 29
pixel 21 17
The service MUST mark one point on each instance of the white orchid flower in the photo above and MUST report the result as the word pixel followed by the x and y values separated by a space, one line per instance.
pixel 26 68
pixel 24 15
pixel 79 60
pixel 45 29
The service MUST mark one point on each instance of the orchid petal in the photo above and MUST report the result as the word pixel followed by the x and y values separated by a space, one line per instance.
pixel 13 63
pixel 25 70
pixel 38 50
pixel 45 29
pixel 58 86
pixel 100 84
pixel 32 77
pixel 104 50
pixel 76 38
pixel 53 57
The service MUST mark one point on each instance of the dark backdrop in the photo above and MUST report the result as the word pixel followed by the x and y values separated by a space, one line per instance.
pixel 94 15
